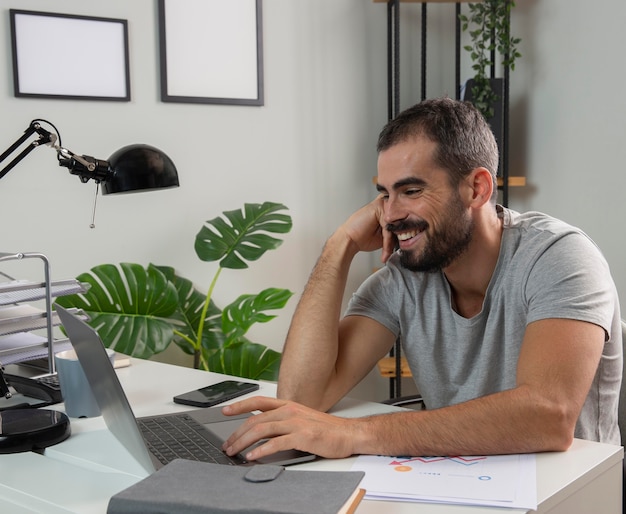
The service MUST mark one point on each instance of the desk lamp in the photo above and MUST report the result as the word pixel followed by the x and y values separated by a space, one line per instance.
pixel 133 168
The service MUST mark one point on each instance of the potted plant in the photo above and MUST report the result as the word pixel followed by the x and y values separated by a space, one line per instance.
pixel 489 27
pixel 140 311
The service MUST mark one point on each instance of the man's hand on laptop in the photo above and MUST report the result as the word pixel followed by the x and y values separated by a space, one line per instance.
pixel 288 425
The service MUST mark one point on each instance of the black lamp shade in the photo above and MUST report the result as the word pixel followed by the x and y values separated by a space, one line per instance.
pixel 139 167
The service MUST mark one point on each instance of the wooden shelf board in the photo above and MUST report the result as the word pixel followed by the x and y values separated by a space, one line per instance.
pixel 513 181
pixel 387 367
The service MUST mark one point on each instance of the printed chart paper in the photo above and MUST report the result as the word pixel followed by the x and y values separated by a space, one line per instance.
pixel 495 480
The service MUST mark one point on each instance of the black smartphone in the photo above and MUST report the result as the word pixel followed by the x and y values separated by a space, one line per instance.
pixel 216 393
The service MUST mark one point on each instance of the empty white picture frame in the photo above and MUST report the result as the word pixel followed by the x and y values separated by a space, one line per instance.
pixel 211 51
pixel 69 56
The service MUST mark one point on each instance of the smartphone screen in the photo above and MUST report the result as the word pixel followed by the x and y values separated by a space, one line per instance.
pixel 216 393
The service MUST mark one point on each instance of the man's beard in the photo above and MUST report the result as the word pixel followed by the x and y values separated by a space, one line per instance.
pixel 444 245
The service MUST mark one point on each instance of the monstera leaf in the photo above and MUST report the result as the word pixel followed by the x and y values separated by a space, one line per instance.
pixel 245 359
pixel 140 311
pixel 243 235
pixel 248 309
pixel 132 308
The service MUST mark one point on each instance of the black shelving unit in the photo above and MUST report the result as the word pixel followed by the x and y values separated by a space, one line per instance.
pixel 393 106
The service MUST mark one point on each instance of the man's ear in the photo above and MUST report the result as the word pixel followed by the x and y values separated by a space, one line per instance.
pixel 481 184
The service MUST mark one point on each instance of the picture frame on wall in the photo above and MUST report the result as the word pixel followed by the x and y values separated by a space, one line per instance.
pixel 211 51
pixel 69 56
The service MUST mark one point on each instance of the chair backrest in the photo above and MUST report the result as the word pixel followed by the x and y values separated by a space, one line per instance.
pixel 621 415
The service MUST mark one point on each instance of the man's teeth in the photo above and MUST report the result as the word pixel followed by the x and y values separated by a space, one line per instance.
pixel 406 235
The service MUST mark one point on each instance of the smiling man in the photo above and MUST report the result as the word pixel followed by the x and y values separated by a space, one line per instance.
pixel 510 322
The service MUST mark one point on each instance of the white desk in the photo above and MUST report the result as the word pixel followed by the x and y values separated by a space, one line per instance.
pixel 83 472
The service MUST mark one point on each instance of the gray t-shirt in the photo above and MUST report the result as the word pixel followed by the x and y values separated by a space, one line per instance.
pixel 546 269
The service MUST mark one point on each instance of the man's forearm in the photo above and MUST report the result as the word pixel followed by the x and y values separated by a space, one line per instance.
pixel 513 421
pixel 311 348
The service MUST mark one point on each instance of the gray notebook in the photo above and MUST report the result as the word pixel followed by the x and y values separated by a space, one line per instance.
pixel 185 487
pixel 215 428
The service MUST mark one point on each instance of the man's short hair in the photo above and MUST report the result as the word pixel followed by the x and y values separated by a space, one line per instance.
pixel 463 137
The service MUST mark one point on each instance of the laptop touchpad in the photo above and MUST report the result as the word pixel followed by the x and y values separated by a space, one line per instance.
pixel 224 429
pixel 224 426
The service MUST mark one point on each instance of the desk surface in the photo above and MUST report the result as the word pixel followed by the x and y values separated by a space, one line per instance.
pixel 83 472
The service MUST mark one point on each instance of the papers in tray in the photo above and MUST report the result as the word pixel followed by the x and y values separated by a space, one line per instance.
pixel 17 343
pixel 26 346
pixel 496 480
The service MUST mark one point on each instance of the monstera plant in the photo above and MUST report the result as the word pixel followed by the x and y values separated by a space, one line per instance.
pixel 141 310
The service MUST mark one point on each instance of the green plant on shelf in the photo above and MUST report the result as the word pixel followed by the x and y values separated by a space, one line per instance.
pixel 489 27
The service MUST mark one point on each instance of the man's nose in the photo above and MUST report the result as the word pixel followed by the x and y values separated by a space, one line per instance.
pixel 394 210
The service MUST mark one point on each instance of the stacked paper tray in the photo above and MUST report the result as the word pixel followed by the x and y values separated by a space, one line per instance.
pixel 24 318
pixel 16 291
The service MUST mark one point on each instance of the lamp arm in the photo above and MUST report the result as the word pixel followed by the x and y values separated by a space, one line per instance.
pixel 85 166
pixel 45 138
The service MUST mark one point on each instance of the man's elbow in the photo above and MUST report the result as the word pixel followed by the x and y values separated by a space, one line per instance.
pixel 561 441
pixel 294 394
pixel 320 396
pixel 559 427
pixel 285 392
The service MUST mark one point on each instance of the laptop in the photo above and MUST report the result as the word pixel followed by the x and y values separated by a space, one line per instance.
pixel 211 427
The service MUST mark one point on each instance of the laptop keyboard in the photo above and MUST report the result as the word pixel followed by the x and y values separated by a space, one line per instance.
pixel 181 437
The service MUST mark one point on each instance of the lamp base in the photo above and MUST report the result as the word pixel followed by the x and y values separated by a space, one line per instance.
pixel 24 430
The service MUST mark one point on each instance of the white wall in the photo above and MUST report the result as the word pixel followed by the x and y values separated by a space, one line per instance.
pixel 311 146
pixel 570 109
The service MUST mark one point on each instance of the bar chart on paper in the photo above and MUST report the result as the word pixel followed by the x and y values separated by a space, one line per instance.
pixel 494 480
